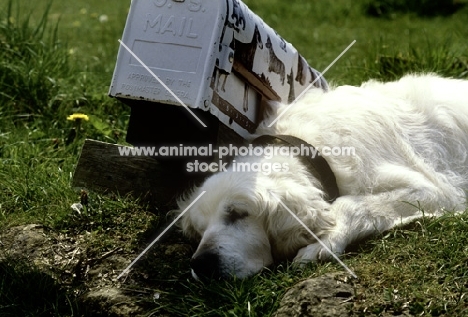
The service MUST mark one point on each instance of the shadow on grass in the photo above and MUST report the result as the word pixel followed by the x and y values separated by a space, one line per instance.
pixel 422 8
pixel 26 291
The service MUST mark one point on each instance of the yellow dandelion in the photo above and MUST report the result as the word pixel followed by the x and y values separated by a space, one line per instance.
pixel 78 116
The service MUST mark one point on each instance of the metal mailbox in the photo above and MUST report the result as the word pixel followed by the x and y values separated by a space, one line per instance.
pixel 215 55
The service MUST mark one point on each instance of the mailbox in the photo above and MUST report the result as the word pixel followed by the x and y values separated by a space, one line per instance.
pixel 217 56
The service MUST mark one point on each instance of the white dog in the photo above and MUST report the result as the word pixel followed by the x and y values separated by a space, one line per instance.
pixel 410 141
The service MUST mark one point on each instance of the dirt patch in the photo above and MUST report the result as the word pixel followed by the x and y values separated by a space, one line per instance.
pixel 330 295
pixel 92 278
pixel 53 253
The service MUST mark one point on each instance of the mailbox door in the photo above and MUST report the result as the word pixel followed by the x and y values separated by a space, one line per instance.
pixel 177 41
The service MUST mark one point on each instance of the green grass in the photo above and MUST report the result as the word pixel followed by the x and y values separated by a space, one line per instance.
pixel 57 58
pixel 326 28
pixel 425 269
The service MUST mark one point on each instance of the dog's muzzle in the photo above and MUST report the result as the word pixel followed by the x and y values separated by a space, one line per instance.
pixel 206 266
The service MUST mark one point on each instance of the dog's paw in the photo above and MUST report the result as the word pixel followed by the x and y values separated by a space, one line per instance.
pixel 309 253
pixel 316 252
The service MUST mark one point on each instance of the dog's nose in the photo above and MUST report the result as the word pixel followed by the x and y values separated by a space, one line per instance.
pixel 206 265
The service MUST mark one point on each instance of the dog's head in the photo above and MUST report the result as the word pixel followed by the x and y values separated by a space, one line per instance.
pixel 242 224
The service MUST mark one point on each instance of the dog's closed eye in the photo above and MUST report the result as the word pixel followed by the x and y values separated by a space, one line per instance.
pixel 233 215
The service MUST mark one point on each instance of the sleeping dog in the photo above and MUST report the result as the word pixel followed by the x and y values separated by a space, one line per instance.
pixel 410 142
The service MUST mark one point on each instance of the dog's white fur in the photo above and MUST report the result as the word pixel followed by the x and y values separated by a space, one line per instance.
pixel 411 149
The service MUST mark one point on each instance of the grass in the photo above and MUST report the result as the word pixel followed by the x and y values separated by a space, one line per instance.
pixel 425 273
pixel 57 59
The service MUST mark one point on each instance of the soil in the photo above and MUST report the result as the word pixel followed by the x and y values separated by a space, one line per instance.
pixel 94 278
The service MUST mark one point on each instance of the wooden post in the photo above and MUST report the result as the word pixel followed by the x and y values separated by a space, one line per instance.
pixel 102 168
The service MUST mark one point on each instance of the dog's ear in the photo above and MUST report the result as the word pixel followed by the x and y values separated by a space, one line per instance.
pixel 188 229
pixel 286 231
pixel 310 208
pixel 185 224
